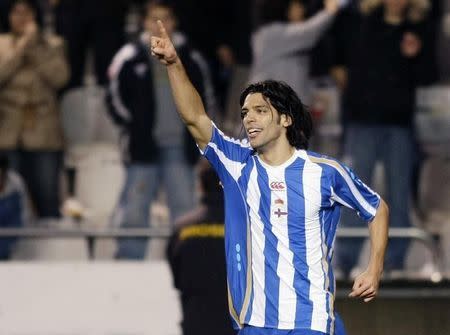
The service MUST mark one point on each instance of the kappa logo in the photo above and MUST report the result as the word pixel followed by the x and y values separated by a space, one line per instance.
pixel 277 186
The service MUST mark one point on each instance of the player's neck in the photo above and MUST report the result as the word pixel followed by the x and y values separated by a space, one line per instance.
pixel 275 156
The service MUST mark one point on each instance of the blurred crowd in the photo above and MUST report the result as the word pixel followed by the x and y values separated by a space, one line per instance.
pixel 358 65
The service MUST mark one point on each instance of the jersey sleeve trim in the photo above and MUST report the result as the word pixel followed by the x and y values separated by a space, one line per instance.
pixel 372 210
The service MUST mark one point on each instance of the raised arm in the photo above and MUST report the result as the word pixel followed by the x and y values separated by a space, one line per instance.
pixel 188 101
pixel 282 39
pixel 366 284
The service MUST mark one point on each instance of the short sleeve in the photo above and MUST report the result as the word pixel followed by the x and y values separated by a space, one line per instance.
pixel 350 191
pixel 226 155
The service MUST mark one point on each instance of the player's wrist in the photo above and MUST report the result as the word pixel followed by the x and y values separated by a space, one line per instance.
pixel 374 269
pixel 174 62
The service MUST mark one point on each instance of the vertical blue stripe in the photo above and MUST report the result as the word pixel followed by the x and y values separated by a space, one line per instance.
pixel 327 235
pixel 243 182
pixel 236 222
pixel 327 272
pixel 297 241
pixel 250 309
pixel 271 256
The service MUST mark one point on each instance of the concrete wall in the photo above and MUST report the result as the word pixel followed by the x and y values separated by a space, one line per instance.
pixel 87 299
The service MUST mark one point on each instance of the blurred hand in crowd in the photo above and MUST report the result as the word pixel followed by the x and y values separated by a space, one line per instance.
pixel 410 45
pixel 22 20
pixel 340 76
pixel 332 6
pixel 225 55
pixel 23 24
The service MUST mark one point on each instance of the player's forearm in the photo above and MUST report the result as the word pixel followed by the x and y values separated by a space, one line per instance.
pixel 378 230
pixel 188 101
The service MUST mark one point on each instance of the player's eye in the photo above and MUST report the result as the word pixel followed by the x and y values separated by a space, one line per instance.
pixel 243 114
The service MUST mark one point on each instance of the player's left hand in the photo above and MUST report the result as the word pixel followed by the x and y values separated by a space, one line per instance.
pixel 366 286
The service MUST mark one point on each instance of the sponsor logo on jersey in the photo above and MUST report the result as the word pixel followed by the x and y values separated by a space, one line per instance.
pixel 277 186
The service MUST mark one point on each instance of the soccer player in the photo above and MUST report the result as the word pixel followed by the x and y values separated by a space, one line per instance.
pixel 282 207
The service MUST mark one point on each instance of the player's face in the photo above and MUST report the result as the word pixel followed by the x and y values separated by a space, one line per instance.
pixel 262 123
pixel 162 13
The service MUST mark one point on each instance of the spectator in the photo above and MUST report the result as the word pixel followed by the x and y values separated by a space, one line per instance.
pixel 32 69
pixel 3 15
pixel 389 59
pixel 282 43
pixel 97 24
pixel 140 99
pixel 14 207
pixel 194 16
pixel 235 56
pixel 197 259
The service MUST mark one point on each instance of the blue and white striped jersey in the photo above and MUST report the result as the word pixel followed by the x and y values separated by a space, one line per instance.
pixel 280 226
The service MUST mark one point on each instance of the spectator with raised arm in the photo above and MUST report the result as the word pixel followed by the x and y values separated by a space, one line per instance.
pixel 284 39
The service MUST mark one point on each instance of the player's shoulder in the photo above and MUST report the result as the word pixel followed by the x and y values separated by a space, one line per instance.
pixel 328 163
pixel 243 143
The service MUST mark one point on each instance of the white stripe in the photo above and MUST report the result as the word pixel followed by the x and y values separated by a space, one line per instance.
pixel 210 97
pixel 326 270
pixel 257 317
pixel 116 100
pixel 243 143
pixel 234 168
pixel 124 54
pixel 287 300
pixel 312 191
pixel 370 209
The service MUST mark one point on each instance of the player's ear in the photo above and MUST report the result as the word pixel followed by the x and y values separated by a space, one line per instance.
pixel 286 120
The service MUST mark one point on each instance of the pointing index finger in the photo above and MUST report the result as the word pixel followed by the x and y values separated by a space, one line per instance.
pixel 162 29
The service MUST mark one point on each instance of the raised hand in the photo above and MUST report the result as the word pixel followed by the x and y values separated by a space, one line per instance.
pixel 331 6
pixel 162 47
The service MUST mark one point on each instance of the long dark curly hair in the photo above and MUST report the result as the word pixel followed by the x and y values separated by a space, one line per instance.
pixel 283 98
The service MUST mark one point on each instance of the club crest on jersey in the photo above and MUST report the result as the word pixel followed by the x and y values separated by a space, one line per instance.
pixel 279 212
pixel 277 186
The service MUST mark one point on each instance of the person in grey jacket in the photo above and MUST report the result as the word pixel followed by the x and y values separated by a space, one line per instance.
pixel 282 42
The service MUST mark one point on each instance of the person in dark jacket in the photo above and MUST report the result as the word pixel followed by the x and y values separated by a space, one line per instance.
pixel 196 255
pixel 140 99
pixel 96 25
pixel 390 58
